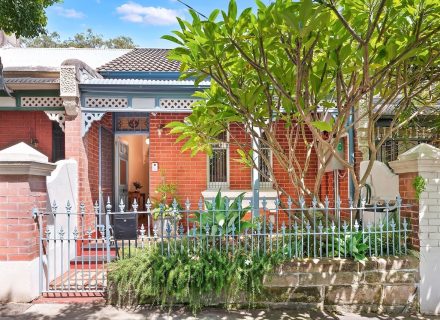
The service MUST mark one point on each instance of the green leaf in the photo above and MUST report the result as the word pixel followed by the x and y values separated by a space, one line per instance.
pixel 324 125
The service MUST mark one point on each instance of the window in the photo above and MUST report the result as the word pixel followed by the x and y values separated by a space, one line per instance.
pixel 264 171
pixel 218 164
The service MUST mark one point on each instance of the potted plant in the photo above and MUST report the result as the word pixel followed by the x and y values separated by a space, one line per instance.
pixel 165 212
pixel 137 186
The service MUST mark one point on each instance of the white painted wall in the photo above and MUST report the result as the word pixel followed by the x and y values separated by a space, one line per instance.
pixel 62 186
pixel 19 280
pixel 425 161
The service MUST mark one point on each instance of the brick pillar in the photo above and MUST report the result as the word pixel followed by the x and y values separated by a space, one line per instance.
pixel 424 161
pixel 23 172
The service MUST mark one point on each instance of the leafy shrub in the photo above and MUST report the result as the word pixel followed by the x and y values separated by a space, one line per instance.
pixel 182 277
pixel 224 216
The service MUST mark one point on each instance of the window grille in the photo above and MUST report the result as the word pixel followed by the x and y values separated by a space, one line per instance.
pixel 264 171
pixel 218 164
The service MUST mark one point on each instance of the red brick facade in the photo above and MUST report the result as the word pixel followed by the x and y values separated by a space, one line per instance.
pixel 18 231
pixel 190 173
pixel 411 213
pixel 18 126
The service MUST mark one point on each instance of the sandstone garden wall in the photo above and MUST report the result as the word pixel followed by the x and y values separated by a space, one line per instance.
pixel 376 285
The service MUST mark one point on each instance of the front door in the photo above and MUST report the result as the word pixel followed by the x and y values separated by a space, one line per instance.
pixel 121 178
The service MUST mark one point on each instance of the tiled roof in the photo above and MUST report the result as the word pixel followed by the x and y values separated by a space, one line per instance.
pixel 142 59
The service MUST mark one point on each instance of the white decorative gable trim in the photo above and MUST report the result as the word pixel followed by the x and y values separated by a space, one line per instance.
pixel 176 103
pixel 108 103
pixel 58 116
pixel 88 119
pixel 41 102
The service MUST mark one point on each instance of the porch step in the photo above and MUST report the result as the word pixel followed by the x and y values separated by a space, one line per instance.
pixel 83 262
pixel 96 249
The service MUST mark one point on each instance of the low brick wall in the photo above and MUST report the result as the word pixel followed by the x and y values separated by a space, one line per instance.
pixel 378 285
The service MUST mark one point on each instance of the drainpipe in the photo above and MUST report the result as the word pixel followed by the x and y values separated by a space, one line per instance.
pixel 351 150
pixel 256 175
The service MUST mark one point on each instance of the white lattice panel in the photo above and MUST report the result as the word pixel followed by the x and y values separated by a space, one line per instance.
pixel 41 102
pixel 112 103
pixel 176 103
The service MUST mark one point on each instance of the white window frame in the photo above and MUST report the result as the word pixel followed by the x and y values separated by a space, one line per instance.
pixel 265 184
pixel 219 185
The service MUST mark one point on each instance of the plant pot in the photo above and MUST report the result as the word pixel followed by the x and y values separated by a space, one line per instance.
pixel 162 227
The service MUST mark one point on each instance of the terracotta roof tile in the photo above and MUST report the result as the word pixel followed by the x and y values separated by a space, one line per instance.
pixel 142 59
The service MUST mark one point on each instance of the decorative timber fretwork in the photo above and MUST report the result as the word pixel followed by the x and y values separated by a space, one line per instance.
pixel 58 116
pixel 88 118
pixel 108 103
pixel 176 103
pixel 41 102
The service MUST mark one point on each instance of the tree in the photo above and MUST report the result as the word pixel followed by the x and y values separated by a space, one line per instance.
pixel 291 63
pixel 25 18
pixel 87 39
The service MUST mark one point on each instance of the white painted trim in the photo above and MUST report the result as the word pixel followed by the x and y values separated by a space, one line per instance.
pixel 26 168
pixel 218 185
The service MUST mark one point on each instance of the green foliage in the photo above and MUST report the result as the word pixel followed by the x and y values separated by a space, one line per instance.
pixel 25 18
pixel 163 204
pixel 224 215
pixel 349 245
pixel 419 186
pixel 291 61
pixel 87 39
pixel 194 278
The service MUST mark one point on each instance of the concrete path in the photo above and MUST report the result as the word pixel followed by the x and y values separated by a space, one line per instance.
pixel 88 311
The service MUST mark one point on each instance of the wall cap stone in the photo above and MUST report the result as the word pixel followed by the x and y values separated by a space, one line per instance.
pixel 421 158
pixel 22 159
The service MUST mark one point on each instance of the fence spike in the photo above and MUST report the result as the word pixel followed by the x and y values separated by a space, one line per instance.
pixel 68 207
pixel 47 232
pixel 135 205
pixel 350 202
pixel 314 202
pixel 54 207
pixel 61 233
pixel 82 208
pixel 326 202
pixel 187 204
pixel 405 224
pixel 226 203
pixel 75 233
pixel 121 205
pixel 363 202
pixel 301 202
pixel 175 204
pixel 264 203
pixel 148 205
pixel 398 201
pixel 109 204
pixel 96 207
pixel 356 225
pixel 289 202
pixel 338 201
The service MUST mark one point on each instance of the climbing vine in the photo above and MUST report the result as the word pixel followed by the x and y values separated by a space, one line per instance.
pixel 419 186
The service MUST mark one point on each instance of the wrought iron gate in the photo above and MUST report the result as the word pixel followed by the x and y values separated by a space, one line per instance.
pixel 74 250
